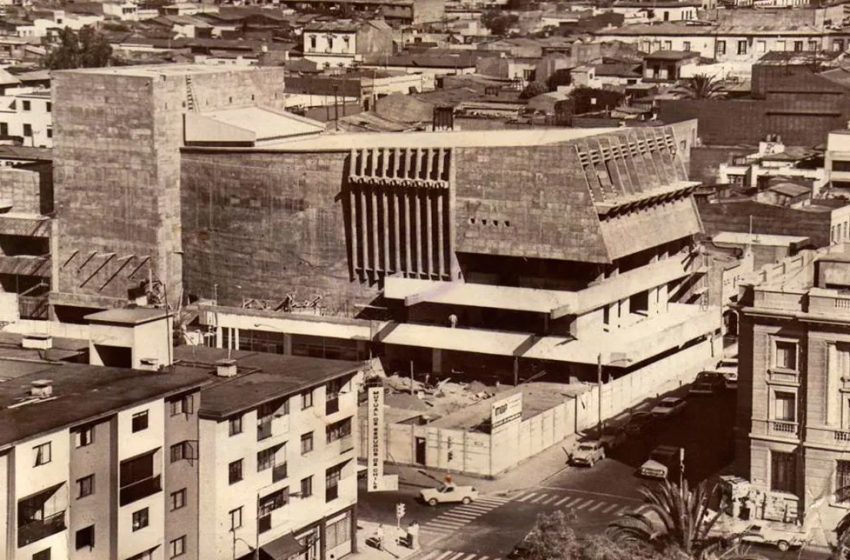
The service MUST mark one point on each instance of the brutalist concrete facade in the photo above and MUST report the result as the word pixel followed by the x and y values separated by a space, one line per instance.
pixel 118 133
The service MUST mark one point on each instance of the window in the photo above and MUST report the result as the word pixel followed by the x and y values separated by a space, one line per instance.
pixel 235 518
pixel 42 555
pixel 50 133
pixel 178 546
pixel 785 407
pixel 137 479
pixel 332 477
pixel 306 399
pixel 721 47
pixel 27 130
pixel 140 519
pixel 761 46
pixel 266 458
pixel 813 45
pixel 146 555
pixel 49 107
pixel 307 487
pixel 783 468
pixel 273 501
pixel 798 46
pixel 306 443
pixel 780 46
pixel 838 45
pixel 742 47
pixel 785 355
pixel 234 426
pixel 234 471
pixel 43 454
pixel 182 405
pixel 838 165
pixel 312 41
pixel 686 46
pixel 178 499
pixel 140 421
pixel 27 105
pixel 668 45
pixel 4 129
pixel 338 430
pixel 183 450
pixel 339 532
pixel 842 481
pixel 84 436
pixel 85 538
pixel 85 486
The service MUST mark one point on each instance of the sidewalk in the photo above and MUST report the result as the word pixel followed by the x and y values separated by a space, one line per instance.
pixel 528 474
pixel 391 549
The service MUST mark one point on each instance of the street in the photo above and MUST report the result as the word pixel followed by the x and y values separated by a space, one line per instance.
pixel 489 528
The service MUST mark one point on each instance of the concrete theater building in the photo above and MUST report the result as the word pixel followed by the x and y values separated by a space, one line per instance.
pixel 496 255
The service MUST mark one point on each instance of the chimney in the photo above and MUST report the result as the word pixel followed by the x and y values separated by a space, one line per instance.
pixel 41 388
pixel 225 367
pixel 37 341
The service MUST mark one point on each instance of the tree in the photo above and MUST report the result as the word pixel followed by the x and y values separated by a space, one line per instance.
pixel 702 86
pixel 498 22
pixel 86 49
pixel 533 89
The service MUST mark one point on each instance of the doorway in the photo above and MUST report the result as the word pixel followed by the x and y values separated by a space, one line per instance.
pixel 420 450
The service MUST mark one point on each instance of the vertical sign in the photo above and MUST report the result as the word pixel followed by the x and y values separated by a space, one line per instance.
pixel 375 439
pixel 505 411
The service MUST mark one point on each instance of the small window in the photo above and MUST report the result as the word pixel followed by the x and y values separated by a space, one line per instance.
pixel 721 47
pixel 842 481
pixel 306 399
pixel 183 450
pixel 140 421
pixel 234 472
pixel 786 355
pixel 178 499
pixel 182 405
pixel 265 459
pixel 306 443
pixel 50 133
pixel 178 546
pixel 85 538
pixel 84 436
pixel 307 487
pixel 27 130
pixel 235 426
pixel 235 518
pixel 42 555
pixel 49 106
pixel 140 519
pixel 742 47
pixel 43 454
pixel 686 46
pixel 785 408
pixel 85 486
pixel 27 105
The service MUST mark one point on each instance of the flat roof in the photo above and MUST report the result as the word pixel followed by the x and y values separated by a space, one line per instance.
pixel 156 70
pixel 266 377
pixel 449 139
pixel 81 393
pixel 128 315
pixel 743 238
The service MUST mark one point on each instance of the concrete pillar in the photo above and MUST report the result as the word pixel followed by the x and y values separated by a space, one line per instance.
pixel 364 231
pixel 219 339
pixel 376 251
pixel 287 344
pixel 355 240
pixel 441 162
pixel 417 162
pixel 408 234
pixel 429 233
pixel 437 360
pixel 441 266
pixel 417 229
pixel 398 158
pixel 429 163
pixel 385 197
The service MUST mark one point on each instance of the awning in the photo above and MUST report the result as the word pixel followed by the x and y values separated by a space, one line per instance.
pixel 283 548
pixel 495 343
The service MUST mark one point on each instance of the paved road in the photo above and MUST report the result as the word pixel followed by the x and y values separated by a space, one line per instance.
pixel 489 528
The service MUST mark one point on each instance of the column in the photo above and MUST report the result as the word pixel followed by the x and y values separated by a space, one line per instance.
pixel 364 231
pixel 408 235
pixel 376 250
pixel 353 221
pixel 287 344
pixel 429 233
pixel 417 229
pixel 438 216
pixel 385 230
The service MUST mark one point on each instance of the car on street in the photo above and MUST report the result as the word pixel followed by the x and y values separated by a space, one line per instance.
pixel 662 460
pixel 668 406
pixel 588 453
pixel 780 538
pixel 638 422
pixel 449 493
pixel 727 368
pixel 707 383
pixel 613 437
pixel 730 380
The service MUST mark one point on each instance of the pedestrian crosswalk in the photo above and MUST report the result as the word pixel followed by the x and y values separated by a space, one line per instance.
pixel 458 516
pixel 598 504
pixel 439 554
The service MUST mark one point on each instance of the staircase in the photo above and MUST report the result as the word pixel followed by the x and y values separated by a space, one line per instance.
pixel 190 95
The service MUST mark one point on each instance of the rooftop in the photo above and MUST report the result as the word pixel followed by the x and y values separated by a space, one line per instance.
pixel 81 393
pixel 266 377
pixel 738 238
pixel 156 70
pixel 127 316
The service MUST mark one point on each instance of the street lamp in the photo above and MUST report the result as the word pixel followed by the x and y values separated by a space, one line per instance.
pixel 611 361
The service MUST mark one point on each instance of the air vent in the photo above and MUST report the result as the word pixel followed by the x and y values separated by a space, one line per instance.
pixel 226 367
pixel 37 341
pixel 41 388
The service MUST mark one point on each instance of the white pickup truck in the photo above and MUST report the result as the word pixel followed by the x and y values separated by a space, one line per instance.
pixel 449 493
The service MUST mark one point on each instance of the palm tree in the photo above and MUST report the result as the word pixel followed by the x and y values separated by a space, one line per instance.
pixel 676 520
pixel 702 86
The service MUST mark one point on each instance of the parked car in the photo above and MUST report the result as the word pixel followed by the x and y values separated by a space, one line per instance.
pixel 638 422
pixel 588 453
pixel 707 383
pixel 727 368
pixel 663 461
pixel 668 406
pixel 782 539
pixel 613 437
pixel 449 493
pixel 730 380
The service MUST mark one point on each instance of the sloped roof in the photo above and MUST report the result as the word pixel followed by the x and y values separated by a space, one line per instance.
pixel 6 79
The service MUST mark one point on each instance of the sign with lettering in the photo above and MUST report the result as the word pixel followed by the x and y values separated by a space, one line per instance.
pixel 375 439
pixel 505 411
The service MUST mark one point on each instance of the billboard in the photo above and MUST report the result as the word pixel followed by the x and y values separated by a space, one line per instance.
pixel 504 411
pixel 375 439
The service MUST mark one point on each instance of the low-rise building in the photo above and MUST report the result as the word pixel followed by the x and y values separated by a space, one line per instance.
pixel 345 43
pixel 27 114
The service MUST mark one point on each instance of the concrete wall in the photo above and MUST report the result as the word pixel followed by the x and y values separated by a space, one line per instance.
pixel 766 219
pixel 21 187
pixel 182 474
pixel 99 508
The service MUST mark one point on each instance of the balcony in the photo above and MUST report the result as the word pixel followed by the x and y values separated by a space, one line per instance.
pixel 36 530
pixel 139 489
pixel 279 472
pixel 264 429
pixel 332 405
pixel 838 438
pixel 783 428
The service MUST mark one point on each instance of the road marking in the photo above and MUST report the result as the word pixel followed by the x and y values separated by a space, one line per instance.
pixel 538 499
pixel 444 555
pixel 494 499
pixel 562 500
pixel 470 556
pixel 456 523
pixel 573 501
pixel 550 500
pixel 483 509
pixel 526 497
pixel 465 517
pixel 597 506
pixel 584 504
pixel 589 493
pixel 610 508
pixel 457 556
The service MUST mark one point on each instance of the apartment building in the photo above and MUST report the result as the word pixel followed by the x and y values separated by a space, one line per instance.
pixel 793 416
pixel 84 460
pixel 277 458
pixel 342 43
pixel 27 114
